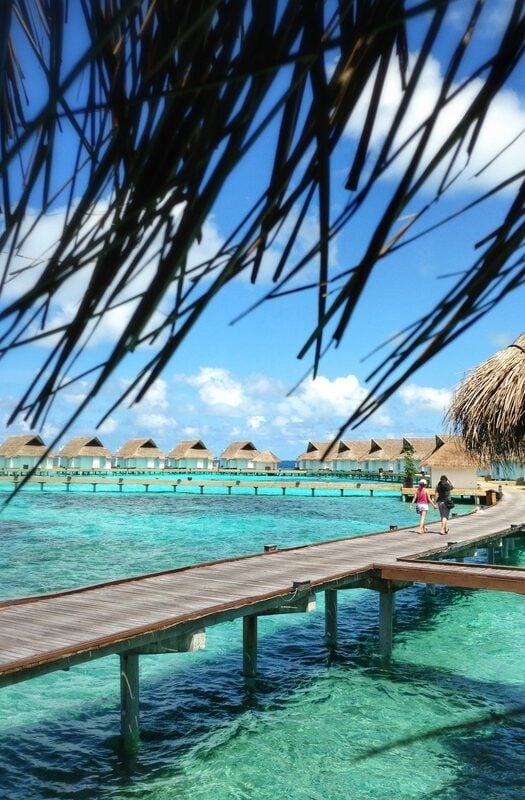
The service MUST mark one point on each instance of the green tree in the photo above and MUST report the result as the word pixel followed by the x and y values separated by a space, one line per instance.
pixel 409 466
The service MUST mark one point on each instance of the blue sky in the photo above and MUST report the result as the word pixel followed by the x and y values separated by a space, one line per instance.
pixel 231 382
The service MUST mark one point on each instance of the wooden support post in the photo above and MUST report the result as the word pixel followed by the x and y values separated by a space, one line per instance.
pixel 256 489
pixel 386 619
pixel 94 486
pixel 249 645
pixel 146 486
pixel 201 487
pixel 313 491
pixel 41 486
pixel 129 702
pixel 330 617
pixel 229 489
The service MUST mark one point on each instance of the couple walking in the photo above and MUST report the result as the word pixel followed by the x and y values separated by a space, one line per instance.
pixel 423 499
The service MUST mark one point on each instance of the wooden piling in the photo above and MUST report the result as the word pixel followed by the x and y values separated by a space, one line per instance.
pixel 386 620
pixel 129 702
pixel 249 646
pixel 330 617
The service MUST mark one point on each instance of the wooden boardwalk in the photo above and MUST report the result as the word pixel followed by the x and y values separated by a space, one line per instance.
pixel 168 611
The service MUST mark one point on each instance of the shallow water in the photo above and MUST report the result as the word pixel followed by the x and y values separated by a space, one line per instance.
pixel 431 725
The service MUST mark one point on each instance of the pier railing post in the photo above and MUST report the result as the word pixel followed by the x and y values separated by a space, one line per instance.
pixel 129 702
pixel 330 617
pixel 386 621
pixel 249 643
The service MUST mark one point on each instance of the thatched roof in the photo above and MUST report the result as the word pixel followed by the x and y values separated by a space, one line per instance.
pixel 139 448
pixel 267 456
pixel 85 446
pixel 488 407
pixel 26 444
pixel 190 448
pixel 352 449
pixel 319 451
pixel 422 447
pixel 385 449
pixel 452 455
pixel 239 450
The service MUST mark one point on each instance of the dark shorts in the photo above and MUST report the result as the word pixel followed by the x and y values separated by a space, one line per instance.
pixel 444 510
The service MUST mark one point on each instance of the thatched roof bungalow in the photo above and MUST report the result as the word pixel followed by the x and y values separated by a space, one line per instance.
pixel 318 455
pixel 452 459
pixel 239 455
pixel 190 454
pixel 266 460
pixel 350 454
pixel 384 455
pixel 140 454
pixel 85 452
pixel 25 452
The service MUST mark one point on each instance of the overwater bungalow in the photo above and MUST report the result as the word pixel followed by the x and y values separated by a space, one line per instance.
pixel 190 454
pixel 85 452
pixel 239 455
pixel 350 454
pixel 140 454
pixel 451 459
pixel 25 452
pixel 384 455
pixel 266 460
pixel 318 455
pixel 420 448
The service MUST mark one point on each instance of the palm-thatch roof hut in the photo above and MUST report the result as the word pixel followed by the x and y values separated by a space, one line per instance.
pixel 266 460
pixel 488 407
pixel 190 454
pixel 140 454
pixel 25 451
pixel 453 460
pixel 85 452
pixel 350 454
pixel 385 455
pixel 318 455
pixel 239 455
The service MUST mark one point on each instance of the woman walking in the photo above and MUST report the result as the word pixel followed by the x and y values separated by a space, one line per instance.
pixel 444 502
pixel 423 500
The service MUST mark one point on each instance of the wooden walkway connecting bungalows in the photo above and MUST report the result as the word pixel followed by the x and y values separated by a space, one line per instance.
pixel 168 611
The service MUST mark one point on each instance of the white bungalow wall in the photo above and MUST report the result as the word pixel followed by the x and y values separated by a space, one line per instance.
pixel 459 477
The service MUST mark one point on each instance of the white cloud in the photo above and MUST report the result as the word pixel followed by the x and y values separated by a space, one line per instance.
pixel 422 399
pixel 157 395
pixel 218 388
pixel 109 425
pixel 324 398
pixel 255 422
pixel 504 121
pixel 155 422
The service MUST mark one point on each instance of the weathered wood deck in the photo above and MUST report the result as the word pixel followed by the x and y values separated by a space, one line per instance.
pixel 166 612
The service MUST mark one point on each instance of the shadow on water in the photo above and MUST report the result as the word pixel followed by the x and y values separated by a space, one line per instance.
pixel 205 703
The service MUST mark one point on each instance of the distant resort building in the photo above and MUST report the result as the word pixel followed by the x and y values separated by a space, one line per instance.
pixel 190 454
pixel 451 459
pixel 266 461
pixel 140 454
pixel 239 455
pixel 25 452
pixel 384 455
pixel 85 452
pixel 367 455
pixel 350 455
pixel 318 455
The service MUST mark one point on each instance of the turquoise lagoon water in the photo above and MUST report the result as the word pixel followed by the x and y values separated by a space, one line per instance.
pixel 439 722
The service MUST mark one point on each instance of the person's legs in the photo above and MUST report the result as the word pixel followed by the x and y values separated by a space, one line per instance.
pixel 422 521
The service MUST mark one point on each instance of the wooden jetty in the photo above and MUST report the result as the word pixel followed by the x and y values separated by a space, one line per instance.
pixel 169 611
pixel 239 486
